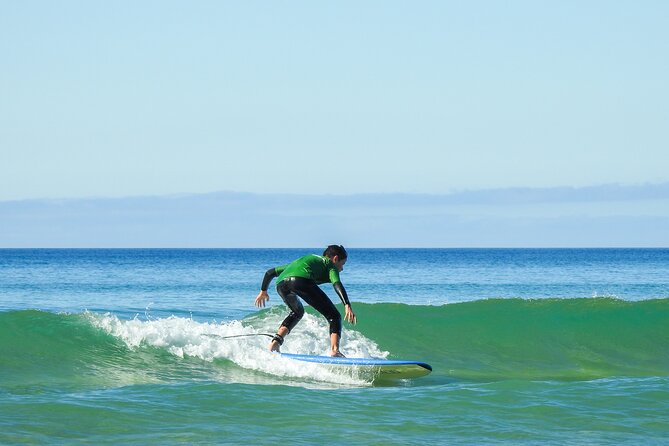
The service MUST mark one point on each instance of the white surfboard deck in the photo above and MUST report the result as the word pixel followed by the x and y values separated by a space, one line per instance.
pixel 386 368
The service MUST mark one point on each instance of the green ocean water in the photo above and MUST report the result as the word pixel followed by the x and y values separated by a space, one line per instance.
pixel 542 371
pixel 528 346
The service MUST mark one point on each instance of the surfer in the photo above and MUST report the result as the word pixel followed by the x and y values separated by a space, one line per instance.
pixel 301 278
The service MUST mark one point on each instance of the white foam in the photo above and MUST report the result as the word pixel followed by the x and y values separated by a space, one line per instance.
pixel 185 337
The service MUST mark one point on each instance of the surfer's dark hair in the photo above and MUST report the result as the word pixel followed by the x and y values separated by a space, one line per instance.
pixel 335 250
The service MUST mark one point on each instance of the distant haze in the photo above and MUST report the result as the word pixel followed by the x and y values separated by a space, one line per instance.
pixel 598 216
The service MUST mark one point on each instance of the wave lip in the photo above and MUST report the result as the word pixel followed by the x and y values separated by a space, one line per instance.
pixel 494 339
pixel 93 349
pixel 567 339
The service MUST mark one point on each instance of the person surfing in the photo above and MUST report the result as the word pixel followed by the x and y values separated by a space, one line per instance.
pixel 301 278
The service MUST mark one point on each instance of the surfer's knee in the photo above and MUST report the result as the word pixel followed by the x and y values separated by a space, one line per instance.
pixel 335 323
pixel 298 312
pixel 293 318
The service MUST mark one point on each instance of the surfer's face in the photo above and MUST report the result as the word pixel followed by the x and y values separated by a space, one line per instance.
pixel 339 264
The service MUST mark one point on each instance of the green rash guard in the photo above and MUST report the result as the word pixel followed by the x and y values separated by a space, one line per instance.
pixel 314 267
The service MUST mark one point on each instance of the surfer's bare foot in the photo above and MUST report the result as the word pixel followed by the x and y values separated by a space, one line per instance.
pixel 277 340
pixel 337 354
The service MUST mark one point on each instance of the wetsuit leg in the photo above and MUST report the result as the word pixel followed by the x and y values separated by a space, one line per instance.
pixel 290 298
pixel 314 296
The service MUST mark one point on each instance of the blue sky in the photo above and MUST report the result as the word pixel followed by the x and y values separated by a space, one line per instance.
pixel 117 99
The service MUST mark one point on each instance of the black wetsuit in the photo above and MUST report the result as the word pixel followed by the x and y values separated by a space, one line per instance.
pixel 301 278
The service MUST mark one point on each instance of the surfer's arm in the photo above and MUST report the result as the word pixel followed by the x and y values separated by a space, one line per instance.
pixel 341 292
pixel 270 274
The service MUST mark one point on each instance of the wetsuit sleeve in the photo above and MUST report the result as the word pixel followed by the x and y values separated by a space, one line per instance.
pixel 269 275
pixel 341 292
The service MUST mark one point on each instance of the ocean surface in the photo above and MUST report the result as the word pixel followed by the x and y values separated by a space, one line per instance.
pixel 528 346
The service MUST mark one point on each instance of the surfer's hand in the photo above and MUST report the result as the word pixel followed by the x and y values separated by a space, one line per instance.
pixel 262 297
pixel 350 315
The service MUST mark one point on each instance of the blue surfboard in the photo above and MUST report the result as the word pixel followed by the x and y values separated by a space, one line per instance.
pixel 385 368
